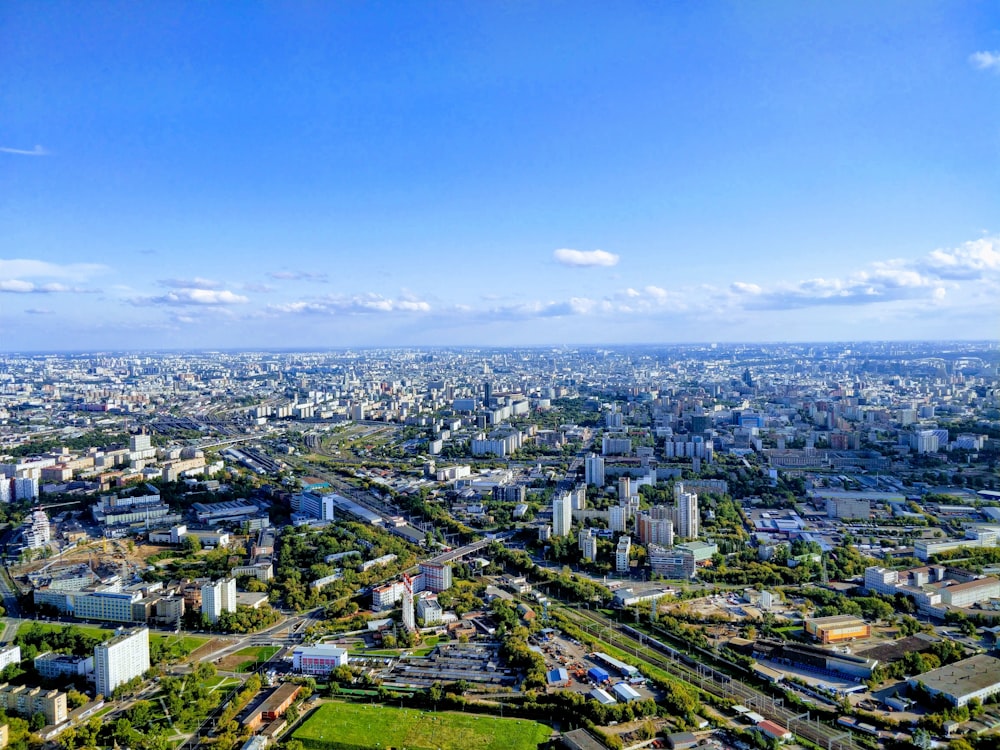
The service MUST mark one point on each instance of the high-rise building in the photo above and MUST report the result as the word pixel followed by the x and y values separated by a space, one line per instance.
pixel 588 544
pixel 217 598
pixel 25 488
pixel 121 659
pixel 140 442
pixel 409 617
pixel 593 467
pixel 686 518
pixel 624 489
pixel 436 576
pixel 487 393
pixel 622 554
pixel 36 532
pixel 655 526
pixel 618 517
pixel 562 514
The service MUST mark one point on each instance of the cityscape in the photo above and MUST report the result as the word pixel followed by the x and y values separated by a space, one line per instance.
pixel 500 376
pixel 725 545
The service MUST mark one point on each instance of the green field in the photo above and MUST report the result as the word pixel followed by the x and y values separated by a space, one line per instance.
pixel 345 726
pixel 254 655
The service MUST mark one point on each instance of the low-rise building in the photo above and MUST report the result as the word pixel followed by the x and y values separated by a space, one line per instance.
pixel 977 677
pixel 55 666
pixel 837 628
pixel 318 660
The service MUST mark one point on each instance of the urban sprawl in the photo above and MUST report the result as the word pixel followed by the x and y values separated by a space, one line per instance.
pixel 725 546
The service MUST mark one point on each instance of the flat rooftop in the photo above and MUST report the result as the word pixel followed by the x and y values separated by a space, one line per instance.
pixel 964 677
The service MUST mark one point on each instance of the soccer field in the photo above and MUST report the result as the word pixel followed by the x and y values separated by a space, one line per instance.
pixel 346 726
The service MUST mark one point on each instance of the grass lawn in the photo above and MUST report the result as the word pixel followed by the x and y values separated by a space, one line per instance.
pixel 346 726
pixel 221 683
pixel 252 656
pixel 185 643
pixel 52 627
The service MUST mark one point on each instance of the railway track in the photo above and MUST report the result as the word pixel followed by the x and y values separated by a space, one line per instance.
pixel 686 668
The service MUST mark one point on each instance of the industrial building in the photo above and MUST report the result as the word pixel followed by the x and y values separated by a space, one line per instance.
pixel 837 628
pixel 977 677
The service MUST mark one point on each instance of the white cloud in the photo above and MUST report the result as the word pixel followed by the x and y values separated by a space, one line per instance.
pixel 24 268
pixel 19 286
pixel 196 283
pixel 585 258
pixel 37 311
pixel 359 304
pixel 298 276
pixel 36 151
pixel 203 297
pixel 986 60
pixel 971 260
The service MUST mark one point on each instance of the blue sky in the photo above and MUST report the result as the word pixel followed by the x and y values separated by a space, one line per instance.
pixel 327 174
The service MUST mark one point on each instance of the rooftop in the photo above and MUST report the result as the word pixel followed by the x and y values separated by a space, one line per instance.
pixel 963 677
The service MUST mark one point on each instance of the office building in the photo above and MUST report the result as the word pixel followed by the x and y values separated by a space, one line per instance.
pixel 123 658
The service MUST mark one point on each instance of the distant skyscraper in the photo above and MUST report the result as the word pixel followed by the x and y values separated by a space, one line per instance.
pixel 562 514
pixel 121 659
pixel 487 393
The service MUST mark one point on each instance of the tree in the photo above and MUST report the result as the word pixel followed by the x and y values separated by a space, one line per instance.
pixel 191 544
pixel 37 721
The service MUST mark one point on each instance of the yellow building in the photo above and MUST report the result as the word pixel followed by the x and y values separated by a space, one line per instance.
pixel 837 628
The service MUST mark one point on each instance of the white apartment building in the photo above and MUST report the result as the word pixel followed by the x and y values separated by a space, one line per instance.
pixel 622 554
pixel 36 532
pixel 121 659
pixel 217 598
pixel 686 520
pixel 593 467
pixel 588 544
pixel 562 514
pixel 10 655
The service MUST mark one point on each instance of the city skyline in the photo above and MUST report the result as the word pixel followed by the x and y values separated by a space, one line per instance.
pixel 191 177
